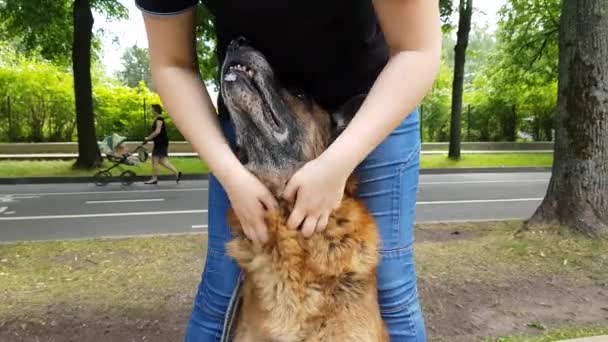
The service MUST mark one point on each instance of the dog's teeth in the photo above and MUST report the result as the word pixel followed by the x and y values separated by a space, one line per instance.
pixel 250 73
pixel 230 77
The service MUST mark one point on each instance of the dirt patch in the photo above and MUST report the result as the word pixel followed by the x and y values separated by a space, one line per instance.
pixel 462 313
pixel 428 235
pixel 85 326
pixel 475 311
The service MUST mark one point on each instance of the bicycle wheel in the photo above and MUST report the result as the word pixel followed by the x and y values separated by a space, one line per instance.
pixel 102 178
pixel 127 177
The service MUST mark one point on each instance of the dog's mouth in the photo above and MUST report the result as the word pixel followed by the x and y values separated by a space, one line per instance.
pixel 252 81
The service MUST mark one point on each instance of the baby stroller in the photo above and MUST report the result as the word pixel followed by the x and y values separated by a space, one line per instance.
pixel 116 152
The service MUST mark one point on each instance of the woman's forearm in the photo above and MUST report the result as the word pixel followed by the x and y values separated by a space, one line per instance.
pixel 412 32
pixel 153 135
pixel 397 91
pixel 191 110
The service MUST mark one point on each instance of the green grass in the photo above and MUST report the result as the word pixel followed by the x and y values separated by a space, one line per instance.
pixel 488 160
pixel 40 168
pixel 122 276
pixel 136 275
pixel 495 255
pixel 56 168
pixel 558 335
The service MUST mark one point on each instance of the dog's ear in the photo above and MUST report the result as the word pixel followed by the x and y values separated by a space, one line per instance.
pixel 341 118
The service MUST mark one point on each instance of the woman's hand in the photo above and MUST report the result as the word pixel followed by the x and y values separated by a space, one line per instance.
pixel 317 189
pixel 250 200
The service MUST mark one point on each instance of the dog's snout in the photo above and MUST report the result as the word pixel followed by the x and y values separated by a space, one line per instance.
pixel 238 42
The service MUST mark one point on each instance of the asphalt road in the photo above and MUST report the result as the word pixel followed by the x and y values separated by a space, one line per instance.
pixel 72 211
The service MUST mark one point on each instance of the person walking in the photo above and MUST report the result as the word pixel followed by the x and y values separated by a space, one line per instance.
pixel 332 51
pixel 160 152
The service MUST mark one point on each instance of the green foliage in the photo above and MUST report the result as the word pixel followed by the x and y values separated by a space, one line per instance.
pixel 206 45
pixel 446 8
pixel 517 91
pixel 436 107
pixel 136 67
pixel 127 111
pixel 528 32
pixel 44 27
pixel 42 103
pixel 510 78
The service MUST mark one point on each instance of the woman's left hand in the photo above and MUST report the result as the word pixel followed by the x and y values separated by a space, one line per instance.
pixel 317 189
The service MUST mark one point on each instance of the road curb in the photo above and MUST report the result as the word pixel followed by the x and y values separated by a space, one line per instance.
pixel 64 180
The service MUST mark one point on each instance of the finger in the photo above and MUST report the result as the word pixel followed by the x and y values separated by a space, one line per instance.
pixel 291 189
pixel 309 226
pixel 248 229
pixel 269 202
pixel 261 232
pixel 322 223
pixel 250 233
pixel 295 219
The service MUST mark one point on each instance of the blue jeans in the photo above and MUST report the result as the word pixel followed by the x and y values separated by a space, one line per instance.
pixel 388 182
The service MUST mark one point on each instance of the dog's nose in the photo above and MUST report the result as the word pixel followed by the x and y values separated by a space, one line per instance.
pixel 237 42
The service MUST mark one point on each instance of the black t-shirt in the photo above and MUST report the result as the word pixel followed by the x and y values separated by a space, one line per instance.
pixel 161 139
pixel 330 49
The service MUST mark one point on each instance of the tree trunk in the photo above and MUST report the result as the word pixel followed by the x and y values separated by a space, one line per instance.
pixel 509 132
pixel 88 151
pixel 578 190
pixel 464 27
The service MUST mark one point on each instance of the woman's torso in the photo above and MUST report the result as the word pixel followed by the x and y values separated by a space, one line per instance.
pixel 331 50
pixel 162 138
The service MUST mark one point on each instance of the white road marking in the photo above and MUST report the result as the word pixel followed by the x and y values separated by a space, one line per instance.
pixel 3 209
pixel 109 237
pixel 469 220
pixel 480 201
pixel 107 192
pixel 128 201
pixel 138 213
pixel 199 226
pixel 9 212
pixel 13 197
pixel 486 182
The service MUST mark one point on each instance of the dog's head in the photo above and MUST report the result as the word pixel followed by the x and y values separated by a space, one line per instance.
pixel 278 130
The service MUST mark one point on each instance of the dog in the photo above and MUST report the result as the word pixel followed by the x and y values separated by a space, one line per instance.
pixel 296 289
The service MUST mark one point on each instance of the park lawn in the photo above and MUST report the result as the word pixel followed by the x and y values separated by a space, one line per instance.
pixel 488 160
pixel 557 335
pixel 477 283
pixel 52 168
pixel 63 168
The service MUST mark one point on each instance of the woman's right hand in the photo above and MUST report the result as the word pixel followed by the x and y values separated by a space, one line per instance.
pixel 250 200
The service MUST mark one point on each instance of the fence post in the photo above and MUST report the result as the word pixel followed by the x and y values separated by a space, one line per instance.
pixel 144 109
pixel 10 121
pixel 469 122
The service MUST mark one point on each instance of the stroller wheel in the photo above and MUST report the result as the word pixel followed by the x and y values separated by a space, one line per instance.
pixel 127 177
pixel 102 178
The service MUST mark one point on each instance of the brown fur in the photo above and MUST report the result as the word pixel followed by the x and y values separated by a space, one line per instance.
pixel 318 289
